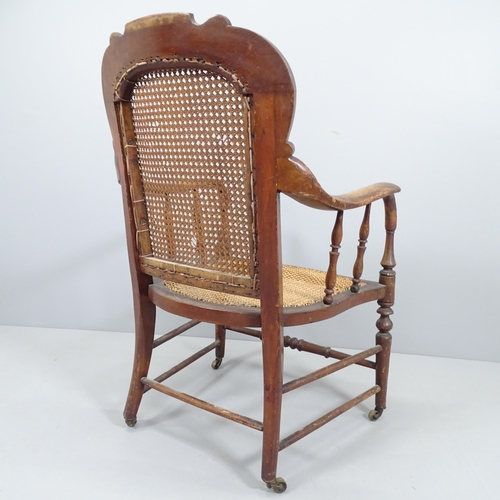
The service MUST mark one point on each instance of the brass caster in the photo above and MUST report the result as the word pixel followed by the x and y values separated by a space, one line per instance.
pixel 375 414
pixel 131 421
pixel 278 485
pixel 216 363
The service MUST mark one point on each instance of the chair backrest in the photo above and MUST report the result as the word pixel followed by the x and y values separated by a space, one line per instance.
pixel 200 115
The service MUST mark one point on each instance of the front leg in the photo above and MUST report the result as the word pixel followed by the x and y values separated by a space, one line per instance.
pixel 384 323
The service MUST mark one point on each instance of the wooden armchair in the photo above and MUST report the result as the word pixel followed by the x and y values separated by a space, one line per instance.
pixel 200 116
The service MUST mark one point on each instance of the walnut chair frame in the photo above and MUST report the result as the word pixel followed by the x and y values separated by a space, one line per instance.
pixel 201 192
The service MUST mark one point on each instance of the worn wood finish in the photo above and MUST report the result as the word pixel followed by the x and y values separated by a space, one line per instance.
pixel 246 331
pixel 269 258
pixel 293 438
pixel 144 310
pixel 183 364
pixel 328 370
pixel 220 337
pixel 305 346
pixel 327 352
pixel 199 403
pixel 177 331
pixel 364 231
pixel 297 181
pixel 260 81
pixel 145 317
pixel 242 285
pixel 331 275
pixel 384 323
pixel 182 305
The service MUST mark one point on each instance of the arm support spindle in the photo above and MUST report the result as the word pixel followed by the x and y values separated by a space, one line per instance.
pixel 364 231
pixel 331 275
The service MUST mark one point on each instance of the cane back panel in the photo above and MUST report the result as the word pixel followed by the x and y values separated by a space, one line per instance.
pixel 193 154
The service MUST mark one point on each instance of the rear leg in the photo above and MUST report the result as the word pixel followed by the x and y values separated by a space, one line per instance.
pixel 145 318
pixel 220 335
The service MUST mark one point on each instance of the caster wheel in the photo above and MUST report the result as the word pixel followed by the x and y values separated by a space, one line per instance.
pixel 131 421
pixel 278 485
pixel 375 414
pixel 216 363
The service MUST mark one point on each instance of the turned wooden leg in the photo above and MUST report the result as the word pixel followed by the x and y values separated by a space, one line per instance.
pixel 145 317
pixel 220 335
pixel 384 323
pixel 382 370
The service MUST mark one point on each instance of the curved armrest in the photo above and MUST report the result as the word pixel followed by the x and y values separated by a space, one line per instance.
pixel 297 181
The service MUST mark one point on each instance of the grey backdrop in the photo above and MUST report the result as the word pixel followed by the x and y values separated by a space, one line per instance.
pixel 388 90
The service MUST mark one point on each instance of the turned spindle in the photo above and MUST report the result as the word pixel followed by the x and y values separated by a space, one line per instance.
pixel 331 275
pixel 384 323
pixel 364 231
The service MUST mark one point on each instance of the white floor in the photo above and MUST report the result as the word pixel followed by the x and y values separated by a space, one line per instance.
pixel 62 435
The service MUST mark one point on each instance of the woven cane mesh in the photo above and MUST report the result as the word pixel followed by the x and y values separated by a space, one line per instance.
pixel 191 128
pixel 301 287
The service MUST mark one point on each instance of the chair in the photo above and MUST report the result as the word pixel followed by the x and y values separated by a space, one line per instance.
pixel 199 116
